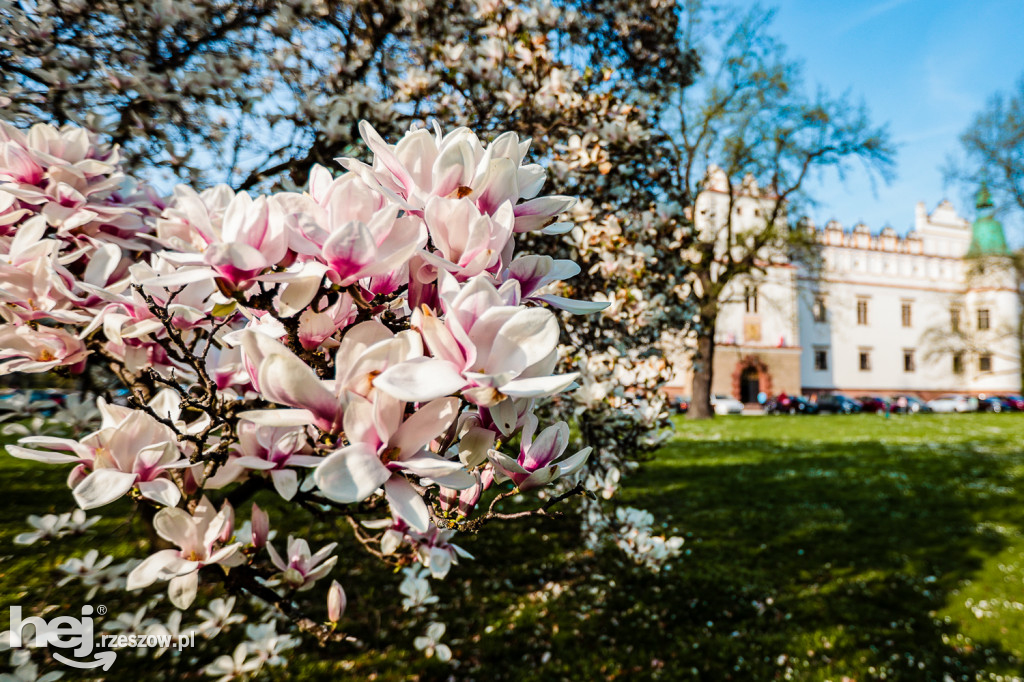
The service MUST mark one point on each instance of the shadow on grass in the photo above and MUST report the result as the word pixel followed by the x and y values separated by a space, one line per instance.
pixel 816 548
pixel 858 545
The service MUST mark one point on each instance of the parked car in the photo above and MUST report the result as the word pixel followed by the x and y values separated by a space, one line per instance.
pixel 994 403
pixel 1016 401
pixel 780 404
pixel 953 403
pixel 908 404
pixel 873 403
pixel 681 403
pixel 789 404
pixel 42 401
pixel 804 406
pixel 837 403
pixel 726 404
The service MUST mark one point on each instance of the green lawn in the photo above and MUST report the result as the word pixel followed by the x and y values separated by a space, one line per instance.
pixel 817 548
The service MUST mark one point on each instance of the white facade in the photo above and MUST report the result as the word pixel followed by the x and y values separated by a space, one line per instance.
pixel 880 316
pixel 876 318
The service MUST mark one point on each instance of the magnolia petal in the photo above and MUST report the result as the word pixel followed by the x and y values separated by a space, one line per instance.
pixel 574 306
pixel 154 567
pixel 41 455
pixel 540 477
pixel 180 277
pixel 425 424
pixel 286 482
pixel 254 462
pixel 174 525
pixel 539 386
pixel 278 417
pixel 570 465
pixel 286 379
pixel 420 379
pixel 528 336
pixel 182 589
pixel 161 490
pixel 101 487
pixel 351 474
pixel 506 464
pixel 407 504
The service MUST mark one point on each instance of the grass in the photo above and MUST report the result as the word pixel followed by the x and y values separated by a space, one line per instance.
pixel 816 548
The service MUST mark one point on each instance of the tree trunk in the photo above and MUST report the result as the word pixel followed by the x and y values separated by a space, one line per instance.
pixel 703 367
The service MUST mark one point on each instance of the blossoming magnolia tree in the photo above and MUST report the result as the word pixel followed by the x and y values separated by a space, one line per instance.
pixel 371 345
pixel 257 95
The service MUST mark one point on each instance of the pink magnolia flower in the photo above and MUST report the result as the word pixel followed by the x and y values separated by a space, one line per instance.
pixel 533 273
pixel 274 450
pixel 303 569
pixel 357 250
pixel 536 465
pixel 72 182
pixel 383 446
pixel 197 536
pixel 236 244
pixel 500 350
pixel 468 242
pixel 131 450
pixel 424 165
pixel 27 349
pixel 367 349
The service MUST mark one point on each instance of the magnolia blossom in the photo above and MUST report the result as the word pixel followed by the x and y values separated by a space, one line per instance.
pixel 385 444
pixel 378 328
pixel 198 537
pixel 536 465
pixel 274 449
pixel 430 643
pixel 131 450
pixel 303 569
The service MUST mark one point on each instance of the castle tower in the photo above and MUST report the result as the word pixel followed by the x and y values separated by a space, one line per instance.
pixel 987 236
pixel 993 305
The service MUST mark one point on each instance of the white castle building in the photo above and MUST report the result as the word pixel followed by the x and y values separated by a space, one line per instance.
pixel 936 311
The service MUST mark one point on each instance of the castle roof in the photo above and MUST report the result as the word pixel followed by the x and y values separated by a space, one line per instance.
pixel 987 236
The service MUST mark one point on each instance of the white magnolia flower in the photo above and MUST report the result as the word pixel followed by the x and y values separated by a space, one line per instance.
pixel 416 589
pixel 218 617
pixel 233 667
pixel 431 644
pixel 89 569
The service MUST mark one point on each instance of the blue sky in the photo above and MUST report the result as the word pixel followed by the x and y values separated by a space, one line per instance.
pixel 924 66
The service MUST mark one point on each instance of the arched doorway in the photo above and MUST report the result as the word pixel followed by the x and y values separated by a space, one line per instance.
pixel 750 377
pixel 750 385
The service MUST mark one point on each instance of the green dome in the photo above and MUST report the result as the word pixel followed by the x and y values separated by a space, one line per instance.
pixel 987 236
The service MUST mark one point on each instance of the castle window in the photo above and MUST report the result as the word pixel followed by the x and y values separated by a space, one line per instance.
pixel 865 360
pixel 958 363
pixel 862 311
pixel 750 295
pixel 905 313
pixel 819 309
pixel 985 363
pixel 820 359
pixel 954 319
pixel 983 320
pixel 908 360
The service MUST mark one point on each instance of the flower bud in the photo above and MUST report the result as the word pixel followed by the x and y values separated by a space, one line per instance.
pixel 229 526
pixel 448 498
pixel 260 526
pixel 336 602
